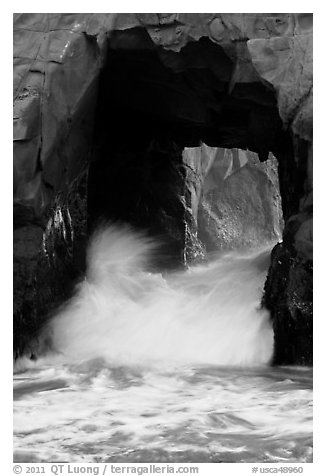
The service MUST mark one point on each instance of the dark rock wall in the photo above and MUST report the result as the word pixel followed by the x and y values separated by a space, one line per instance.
pixel 289 286
pixel 47 263
pixel 288 295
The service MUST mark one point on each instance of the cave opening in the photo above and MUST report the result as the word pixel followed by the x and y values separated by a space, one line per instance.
pixel 154 104
pixel 161 114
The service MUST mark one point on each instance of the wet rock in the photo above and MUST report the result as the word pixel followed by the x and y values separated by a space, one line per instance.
pixel 48 260
pixel 288 296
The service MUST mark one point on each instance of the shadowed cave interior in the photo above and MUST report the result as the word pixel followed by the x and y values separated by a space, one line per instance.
pixel 150 107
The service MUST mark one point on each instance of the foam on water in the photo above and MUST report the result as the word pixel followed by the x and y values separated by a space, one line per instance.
pixel 92 413
pixel 153 368
pixel 208 314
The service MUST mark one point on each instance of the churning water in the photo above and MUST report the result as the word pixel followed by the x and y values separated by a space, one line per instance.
pixel 153 368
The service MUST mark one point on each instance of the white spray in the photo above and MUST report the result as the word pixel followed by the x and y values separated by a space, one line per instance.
pixel 208 314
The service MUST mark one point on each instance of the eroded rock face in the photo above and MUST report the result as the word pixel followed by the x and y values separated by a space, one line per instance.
pixel 286 63
pixel 232 80
pixel 289 286
pixel 57 61
pixel 47 263
pixel 233 198
pixel 243 210
pixel 288 295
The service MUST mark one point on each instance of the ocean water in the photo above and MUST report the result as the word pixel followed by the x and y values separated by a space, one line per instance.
pixel 151 367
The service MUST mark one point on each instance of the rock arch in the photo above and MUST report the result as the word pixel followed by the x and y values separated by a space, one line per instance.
pixel 230 80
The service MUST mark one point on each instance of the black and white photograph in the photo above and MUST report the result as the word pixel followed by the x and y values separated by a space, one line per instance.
pixel 162 241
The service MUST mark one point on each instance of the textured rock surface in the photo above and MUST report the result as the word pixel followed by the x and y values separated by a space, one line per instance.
pixel 231 80
pixel 286 63
pixel 289 286
pixel 233 198
pixel 288 294
pixel 57 59
pixel 47 263
pixel 245 210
